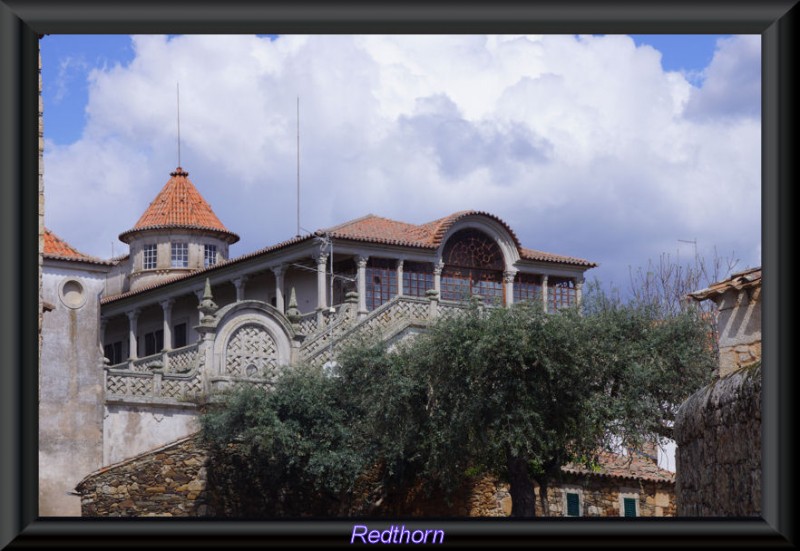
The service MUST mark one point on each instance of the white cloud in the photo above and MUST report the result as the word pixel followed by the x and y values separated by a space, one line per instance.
pixel 732 84
pixel 584 145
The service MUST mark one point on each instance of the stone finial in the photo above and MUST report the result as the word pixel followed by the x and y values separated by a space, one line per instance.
pixel 207 306
pixel 292 312
pixel 351 297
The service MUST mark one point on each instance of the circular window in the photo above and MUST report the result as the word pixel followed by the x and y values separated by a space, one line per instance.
pixel 72 294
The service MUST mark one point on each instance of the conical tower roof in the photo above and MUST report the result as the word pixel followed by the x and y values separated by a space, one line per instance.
pixel 179 206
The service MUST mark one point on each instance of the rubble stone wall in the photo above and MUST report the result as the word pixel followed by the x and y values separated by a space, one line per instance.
pixel 718 432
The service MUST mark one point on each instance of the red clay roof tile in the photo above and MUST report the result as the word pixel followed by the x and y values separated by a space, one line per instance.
pixel 745 279
pixel 179 205
pixel 377 229
pixel 57 248
pixel 632 466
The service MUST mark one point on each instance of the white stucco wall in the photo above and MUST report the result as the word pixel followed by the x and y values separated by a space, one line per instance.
pixel 129 430
pixel 70 386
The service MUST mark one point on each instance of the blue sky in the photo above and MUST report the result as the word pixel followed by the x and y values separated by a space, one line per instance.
pixel 611 148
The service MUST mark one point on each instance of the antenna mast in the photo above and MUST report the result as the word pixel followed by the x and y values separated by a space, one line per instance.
pixel 298 166
pixel 179 123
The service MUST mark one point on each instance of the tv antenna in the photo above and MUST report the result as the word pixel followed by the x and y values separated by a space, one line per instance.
pixel 179 122
pixel 298 167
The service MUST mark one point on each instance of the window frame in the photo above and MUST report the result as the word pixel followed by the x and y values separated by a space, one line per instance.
pixel 376 295
pixel 156 334
pixel 561 293
pixel 528 287
pixel 179 252
pixel 567 495
pixel 417 278
pixel 147 257
pixel 206 248
pixel 175 326
pixel 632 495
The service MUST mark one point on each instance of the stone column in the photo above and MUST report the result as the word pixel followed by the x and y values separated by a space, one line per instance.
pixel 166 307
pixel 279 271
pixel 399 278
pixel 433 296
pixel 361 262
pixel 544 292
pixel 239 284
pixel 437 277
pixel 578 290
pixel 508 279
pixel 322 291
pixel 133 318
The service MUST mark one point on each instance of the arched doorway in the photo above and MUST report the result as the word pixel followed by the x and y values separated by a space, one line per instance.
pixel 473 265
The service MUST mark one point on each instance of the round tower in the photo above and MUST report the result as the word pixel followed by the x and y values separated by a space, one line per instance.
pixel 177 234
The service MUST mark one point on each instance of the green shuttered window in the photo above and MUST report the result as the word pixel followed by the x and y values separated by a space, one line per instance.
pixel 630 506
pixel 573 505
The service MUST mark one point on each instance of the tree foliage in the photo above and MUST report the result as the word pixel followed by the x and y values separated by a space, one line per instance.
pixel 510 391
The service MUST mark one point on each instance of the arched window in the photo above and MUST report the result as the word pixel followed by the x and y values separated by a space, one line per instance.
pixel 473 265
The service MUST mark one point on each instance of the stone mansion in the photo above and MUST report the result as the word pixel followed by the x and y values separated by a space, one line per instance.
pixel 131 345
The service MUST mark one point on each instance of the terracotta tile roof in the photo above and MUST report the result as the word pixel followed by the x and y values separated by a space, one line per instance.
pixel 179 205
pixel 372 229
pixel 376 229
pixel 531 254
pixel 219 265
pixel 58 249
pixel 745 279
pixel 633 466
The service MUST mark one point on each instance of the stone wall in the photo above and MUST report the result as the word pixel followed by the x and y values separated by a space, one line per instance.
pixel 718 431
pixel 169 481
pixel 182 479
pixel 601 496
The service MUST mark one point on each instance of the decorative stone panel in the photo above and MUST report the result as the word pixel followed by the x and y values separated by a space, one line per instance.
pixel 251 353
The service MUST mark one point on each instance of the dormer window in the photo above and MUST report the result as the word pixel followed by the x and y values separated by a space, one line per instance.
pixel 180 255
pixel 209 255
pixel 150 257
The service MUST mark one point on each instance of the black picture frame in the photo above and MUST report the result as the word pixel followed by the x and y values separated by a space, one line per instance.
pixel 21 24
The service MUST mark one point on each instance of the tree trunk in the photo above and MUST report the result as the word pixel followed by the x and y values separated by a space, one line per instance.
pixel 523 499
pixel 543 497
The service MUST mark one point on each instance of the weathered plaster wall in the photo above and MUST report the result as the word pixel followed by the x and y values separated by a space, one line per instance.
pixel 129 430
pixel 718 431
pixel 305 286
pixel 70 387
pixel 739 325
pixel 41 197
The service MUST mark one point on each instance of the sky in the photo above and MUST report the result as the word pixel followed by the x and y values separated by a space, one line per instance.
pixel 613 148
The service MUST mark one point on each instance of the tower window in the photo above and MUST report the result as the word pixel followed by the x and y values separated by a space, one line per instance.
pixel 150 257
pixel 180 255
pixel 209 255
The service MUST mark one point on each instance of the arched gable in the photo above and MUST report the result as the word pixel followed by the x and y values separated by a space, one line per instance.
pixel 487 224
pixel 252 342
